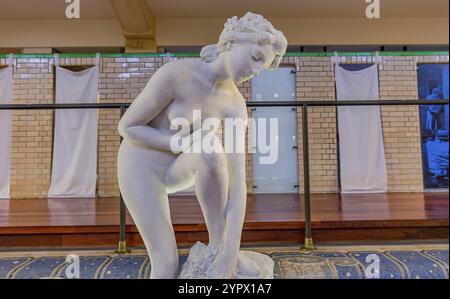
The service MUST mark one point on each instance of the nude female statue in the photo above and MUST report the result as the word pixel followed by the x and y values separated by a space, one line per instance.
pixel 149 170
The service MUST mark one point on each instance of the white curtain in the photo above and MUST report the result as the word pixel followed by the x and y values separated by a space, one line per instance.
pixel 74 168
pixel 362 161
pixel 6 85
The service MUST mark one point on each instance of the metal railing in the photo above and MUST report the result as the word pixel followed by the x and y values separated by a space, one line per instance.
pixel 308 242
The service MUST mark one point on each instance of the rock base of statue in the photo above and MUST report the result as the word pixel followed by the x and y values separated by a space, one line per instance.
pixel 250 265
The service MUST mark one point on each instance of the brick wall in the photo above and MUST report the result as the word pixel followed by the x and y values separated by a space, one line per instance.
pixel 32 130
pixel 401 128
pixel 315 81
pixel 122 78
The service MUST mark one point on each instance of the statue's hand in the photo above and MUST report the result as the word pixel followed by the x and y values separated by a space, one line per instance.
pixel 180 144
pixel 192 143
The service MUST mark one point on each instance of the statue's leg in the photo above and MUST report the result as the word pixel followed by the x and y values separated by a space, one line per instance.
pixel 146 198
pixel 209 171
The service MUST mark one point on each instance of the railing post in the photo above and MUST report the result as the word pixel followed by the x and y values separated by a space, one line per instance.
pixel 122 246
pixel 308 245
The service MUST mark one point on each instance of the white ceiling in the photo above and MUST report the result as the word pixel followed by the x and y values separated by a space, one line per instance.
pixel 101 9
pixel 295 8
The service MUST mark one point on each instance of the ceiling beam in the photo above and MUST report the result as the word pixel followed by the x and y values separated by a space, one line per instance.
pixel 138 25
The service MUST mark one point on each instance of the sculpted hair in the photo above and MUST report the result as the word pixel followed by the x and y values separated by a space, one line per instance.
pixel 250 28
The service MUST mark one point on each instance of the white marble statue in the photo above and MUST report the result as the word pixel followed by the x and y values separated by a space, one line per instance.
pixel 149 169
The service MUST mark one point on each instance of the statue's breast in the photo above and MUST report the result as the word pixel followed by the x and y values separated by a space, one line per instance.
pixel 179 110
pixel 197 109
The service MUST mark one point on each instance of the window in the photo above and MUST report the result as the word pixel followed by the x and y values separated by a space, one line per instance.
pixel 433 85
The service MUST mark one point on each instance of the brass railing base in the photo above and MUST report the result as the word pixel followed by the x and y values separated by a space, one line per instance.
pixel 122 248
pixel 308 245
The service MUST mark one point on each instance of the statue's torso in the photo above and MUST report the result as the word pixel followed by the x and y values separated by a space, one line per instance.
pixel 190 94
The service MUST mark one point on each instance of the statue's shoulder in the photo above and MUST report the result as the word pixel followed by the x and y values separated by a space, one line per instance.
pixel 180 72
pixel 180 66
pixel 173 71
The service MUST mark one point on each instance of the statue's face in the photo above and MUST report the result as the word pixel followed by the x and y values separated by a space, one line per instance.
pixel 246 60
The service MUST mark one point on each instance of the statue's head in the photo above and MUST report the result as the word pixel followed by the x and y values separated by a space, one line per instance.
pixel 247 46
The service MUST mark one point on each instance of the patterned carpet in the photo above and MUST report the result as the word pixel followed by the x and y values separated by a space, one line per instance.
pixel 407 262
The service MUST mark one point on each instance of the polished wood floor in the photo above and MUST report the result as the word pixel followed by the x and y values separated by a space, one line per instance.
pixel 269 218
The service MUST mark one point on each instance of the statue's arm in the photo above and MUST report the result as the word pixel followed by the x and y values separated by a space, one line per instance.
pixel 237 200
pixel 156 95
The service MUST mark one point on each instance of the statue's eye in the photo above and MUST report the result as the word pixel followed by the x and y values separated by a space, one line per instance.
pixel 256 58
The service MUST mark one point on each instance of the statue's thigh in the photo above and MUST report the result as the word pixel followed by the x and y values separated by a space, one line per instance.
pixel 142 187
pixel 181 173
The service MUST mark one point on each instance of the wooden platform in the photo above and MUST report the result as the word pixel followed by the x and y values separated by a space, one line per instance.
pixel 271 218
